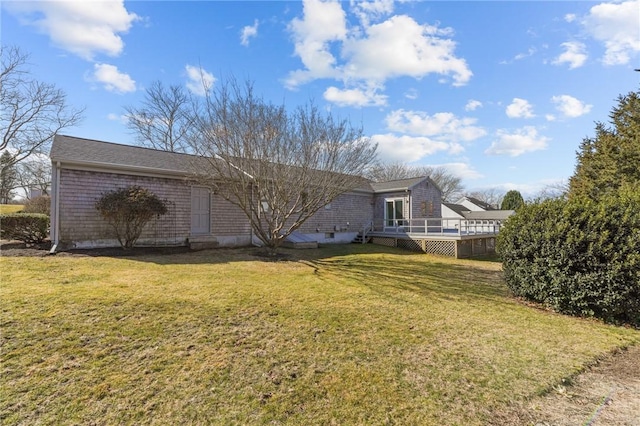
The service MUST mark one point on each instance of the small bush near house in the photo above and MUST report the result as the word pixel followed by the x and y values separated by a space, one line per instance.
pixel 41 204
pixel 128 210
pixel 580 257
pixel 30 228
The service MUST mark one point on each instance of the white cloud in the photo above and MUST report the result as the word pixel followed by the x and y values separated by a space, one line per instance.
pixel 520 56
pixel 411 94
pixel 112 79
pixel 570 106
pixel 617 26
pixel 514 144
pixel 370 54
pixel 574 55
pixel 472 105
pixel 530 52
pixel 82 28
pixel 354 97
pixel 406 148
pixel 520 108
pixel 323 22
pixel 570 17
pixel 368 10
pixel 248 32
pixel 400 46
pixel 462 170
pixel 444 126
pixel 199 81
pixel 117 117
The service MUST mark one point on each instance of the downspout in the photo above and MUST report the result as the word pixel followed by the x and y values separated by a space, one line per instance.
pixel 55 208
pixel 250 224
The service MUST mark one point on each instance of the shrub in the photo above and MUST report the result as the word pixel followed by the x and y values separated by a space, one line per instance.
pixel 41 204
pixel 128 210
pixel 30 228
pixel 579 257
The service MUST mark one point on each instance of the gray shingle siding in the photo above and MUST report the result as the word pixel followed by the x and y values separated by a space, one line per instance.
pixel 426 200
pixel 89 168
pixel 347 213
pixel 81 226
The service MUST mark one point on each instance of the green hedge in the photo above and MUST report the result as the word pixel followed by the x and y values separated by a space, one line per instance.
pixel 30 228
pixel 128 210
pixel 579 257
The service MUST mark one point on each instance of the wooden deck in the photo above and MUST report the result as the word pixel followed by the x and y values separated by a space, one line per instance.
pixel 457 238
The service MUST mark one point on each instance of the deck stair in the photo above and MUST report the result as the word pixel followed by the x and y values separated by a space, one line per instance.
pixel 361 239
pixel 363 236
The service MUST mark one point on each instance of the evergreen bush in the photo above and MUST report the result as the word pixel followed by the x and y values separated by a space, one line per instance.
pixel 580 257
pixel 30 228
pixel 128 210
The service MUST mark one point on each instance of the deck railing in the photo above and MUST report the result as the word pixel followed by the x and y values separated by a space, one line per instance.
pixel 438 226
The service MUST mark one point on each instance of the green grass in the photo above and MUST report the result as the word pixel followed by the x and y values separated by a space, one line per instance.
pixel 342 335
pixel 10 208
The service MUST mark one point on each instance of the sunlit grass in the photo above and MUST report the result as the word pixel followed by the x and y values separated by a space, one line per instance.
pixel 10 208
pixel 345 335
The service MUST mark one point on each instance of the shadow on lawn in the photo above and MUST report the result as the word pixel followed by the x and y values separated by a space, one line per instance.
pixel 185 256
pixel 388 275
pixel 400 270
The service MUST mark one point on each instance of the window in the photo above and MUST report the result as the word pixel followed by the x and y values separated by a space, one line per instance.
pixel 394 212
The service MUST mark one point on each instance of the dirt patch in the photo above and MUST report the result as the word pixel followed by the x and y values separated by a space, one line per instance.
pixel 19 249
pixel 606 394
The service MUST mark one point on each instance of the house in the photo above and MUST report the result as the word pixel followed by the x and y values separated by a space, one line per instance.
pixel 471 213
pixel 84 169
pixel 475 205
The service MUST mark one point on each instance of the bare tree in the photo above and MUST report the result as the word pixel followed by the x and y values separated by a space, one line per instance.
pixel 558 190
pixel 385 172
pixel 164 120
pixel 279 167
pixel 491 196
pixel 32 112
pixel 450 184
pixel 35 173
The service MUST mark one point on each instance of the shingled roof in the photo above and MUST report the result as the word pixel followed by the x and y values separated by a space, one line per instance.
pixel 397 185
pixel 82 152
pixel 88 152
pixel 458 208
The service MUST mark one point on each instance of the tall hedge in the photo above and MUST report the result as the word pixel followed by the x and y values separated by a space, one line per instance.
pixel 30 228
pixel 579 257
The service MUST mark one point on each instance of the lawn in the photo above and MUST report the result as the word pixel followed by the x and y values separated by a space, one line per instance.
pixel 341 335
pixel 10 208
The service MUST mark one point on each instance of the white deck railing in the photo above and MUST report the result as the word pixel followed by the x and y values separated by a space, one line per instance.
pixel 438 226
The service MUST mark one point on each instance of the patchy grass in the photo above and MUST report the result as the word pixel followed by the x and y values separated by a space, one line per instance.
pixel 339 335
pixel 10 208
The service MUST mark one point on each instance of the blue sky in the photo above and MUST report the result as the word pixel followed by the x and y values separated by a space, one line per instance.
pixel 501 93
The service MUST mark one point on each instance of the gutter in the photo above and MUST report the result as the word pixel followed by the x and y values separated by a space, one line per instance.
pixel 55 207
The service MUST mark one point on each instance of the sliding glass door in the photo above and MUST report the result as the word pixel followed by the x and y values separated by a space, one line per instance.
pixel 393 212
